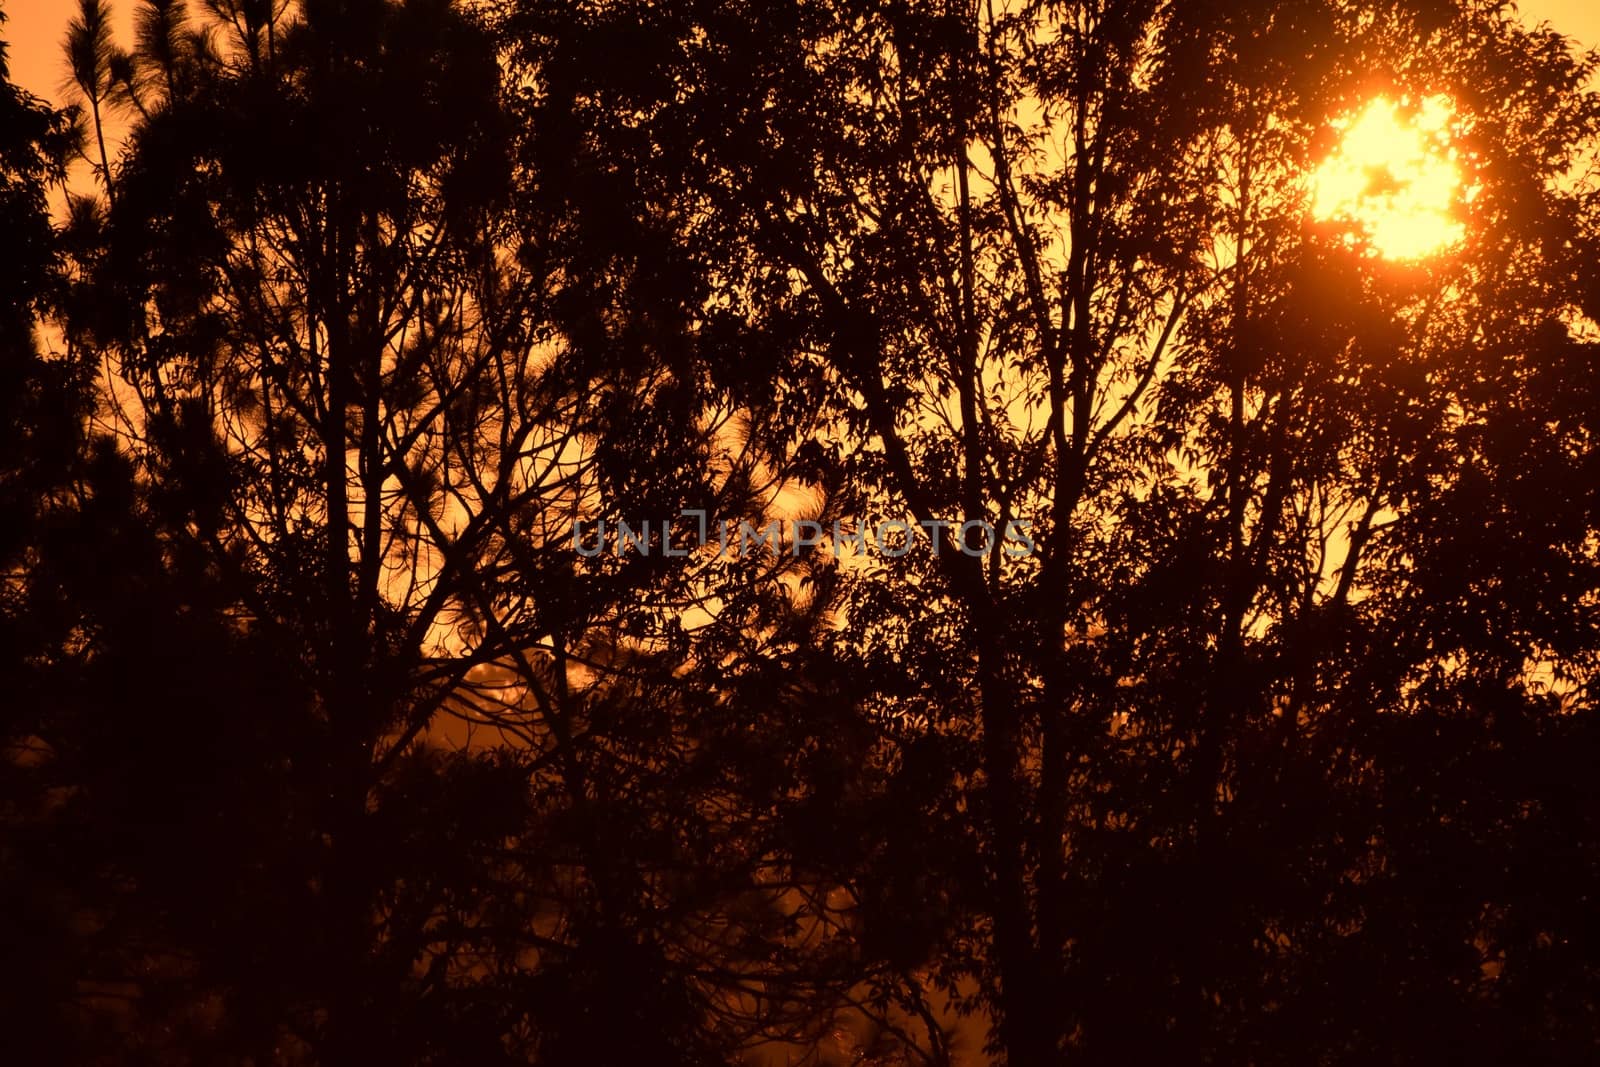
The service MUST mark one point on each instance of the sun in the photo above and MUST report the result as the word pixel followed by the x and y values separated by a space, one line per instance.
pixel 1394 176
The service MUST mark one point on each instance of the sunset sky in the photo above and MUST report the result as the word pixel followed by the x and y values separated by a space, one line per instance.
pixel 1147 460
pixel 36 28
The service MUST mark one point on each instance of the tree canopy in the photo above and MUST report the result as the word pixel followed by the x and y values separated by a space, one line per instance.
pixel 1178 640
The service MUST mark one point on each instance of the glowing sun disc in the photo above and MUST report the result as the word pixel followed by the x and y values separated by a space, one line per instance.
pixel 1394 177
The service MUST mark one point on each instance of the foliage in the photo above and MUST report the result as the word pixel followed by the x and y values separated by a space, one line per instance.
pixel 1273 750
pixel 1302 552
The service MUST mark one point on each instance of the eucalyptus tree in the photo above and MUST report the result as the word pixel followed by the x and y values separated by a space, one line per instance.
pixel 1239 764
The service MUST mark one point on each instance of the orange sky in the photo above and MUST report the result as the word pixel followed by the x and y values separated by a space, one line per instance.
pixel 36 27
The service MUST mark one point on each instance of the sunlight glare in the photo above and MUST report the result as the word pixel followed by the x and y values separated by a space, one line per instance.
pixel 1394 175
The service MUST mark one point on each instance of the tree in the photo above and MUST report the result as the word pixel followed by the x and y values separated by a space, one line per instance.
pixel 375 350
pixel 1206 755
pixel 93 66
pixel 112 646
pixel 41 414
pixel 1223 694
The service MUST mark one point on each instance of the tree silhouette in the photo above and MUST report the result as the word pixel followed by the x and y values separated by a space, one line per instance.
pixel 374 351
pixel 1051 262
pixel 1267 741
pixel 42 414
pixel 93 66
pixel 115 646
